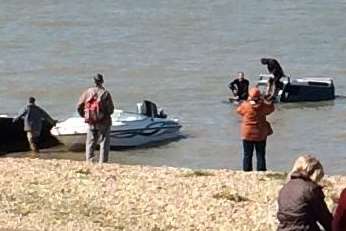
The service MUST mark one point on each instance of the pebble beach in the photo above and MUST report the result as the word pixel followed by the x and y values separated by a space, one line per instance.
pixel 39 194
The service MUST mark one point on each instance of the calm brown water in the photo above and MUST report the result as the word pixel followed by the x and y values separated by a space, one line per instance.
pixel 180 54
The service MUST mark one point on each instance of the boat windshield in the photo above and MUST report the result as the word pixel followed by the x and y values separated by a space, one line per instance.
pixel 120 115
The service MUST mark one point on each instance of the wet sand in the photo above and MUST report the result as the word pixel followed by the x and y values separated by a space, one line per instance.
pixel 39 194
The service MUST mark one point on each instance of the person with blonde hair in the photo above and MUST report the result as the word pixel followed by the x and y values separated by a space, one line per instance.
pixel 301 199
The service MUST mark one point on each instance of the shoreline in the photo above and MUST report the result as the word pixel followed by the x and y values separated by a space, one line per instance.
pixel 42 194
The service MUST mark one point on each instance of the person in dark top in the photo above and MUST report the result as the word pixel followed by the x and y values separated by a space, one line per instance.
pixel 240 87
pixel 301 204
pixel 274 83
pixel 33 116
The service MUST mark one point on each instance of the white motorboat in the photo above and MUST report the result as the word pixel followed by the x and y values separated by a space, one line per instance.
pixel 129 129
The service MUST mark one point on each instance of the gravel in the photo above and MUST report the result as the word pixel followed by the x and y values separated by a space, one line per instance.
pixel 41 194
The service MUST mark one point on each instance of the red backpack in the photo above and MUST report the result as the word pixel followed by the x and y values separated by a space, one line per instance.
pixel 93 110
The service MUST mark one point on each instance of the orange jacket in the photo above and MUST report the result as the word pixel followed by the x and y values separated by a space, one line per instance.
pixel 254 125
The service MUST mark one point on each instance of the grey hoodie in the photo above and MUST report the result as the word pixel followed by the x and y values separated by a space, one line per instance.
pixel 33 116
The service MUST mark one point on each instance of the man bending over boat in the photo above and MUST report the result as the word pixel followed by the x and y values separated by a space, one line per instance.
pixel 274 83
pixel 33 116
pixel 96 106
pixel 240 87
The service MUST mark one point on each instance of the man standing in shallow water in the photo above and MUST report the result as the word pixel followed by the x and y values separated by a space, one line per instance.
pixel 240 87
pixel 33 116
pixel 96 106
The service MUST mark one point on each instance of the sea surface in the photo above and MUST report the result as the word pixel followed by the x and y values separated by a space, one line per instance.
pixel 181 54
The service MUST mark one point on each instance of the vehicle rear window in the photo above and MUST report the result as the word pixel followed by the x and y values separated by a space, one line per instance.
pixel 318 83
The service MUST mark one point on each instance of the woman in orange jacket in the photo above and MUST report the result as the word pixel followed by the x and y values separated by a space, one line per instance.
pixel 255 128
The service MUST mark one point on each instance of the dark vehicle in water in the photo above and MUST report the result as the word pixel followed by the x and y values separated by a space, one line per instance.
pixel 13 138
pixel 302 89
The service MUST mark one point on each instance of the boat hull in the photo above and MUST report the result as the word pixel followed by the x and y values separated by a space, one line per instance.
pixel 124 139
pixel 133 133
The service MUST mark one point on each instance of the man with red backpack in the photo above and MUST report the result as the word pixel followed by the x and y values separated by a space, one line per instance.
pixel 96 106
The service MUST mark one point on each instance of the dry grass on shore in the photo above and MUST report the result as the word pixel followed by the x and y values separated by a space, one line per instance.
pixel 70 195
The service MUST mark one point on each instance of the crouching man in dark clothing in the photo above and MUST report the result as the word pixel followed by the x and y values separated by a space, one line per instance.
pixel 33 116
pixel 274 84
pixel 240 87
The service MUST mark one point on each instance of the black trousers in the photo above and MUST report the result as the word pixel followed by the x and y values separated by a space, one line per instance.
pixel 249 147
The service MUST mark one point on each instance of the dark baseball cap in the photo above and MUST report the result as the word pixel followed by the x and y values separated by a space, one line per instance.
pixel 31 99
pixel 98 78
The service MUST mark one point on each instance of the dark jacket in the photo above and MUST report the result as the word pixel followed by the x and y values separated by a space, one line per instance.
pixel 107 102
pixel 242 88
pixel 274 68
pixel 301 206
pixel 339 220
pixel 33 116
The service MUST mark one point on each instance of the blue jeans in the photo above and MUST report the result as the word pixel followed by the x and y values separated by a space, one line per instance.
pixel 249 147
